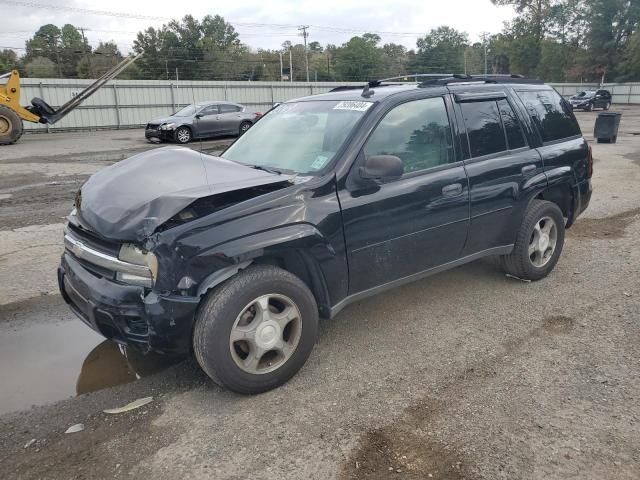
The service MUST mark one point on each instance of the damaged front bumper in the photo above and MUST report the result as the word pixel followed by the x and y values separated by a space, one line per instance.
pixel 129 315
pixel 164 135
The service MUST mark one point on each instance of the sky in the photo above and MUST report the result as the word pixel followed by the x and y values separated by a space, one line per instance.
pixel 261 24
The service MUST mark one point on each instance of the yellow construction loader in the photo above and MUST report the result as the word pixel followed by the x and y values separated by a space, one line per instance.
pixel 12 114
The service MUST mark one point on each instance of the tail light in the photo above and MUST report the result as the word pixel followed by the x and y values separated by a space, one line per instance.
pixel 590 163
pixel 259 114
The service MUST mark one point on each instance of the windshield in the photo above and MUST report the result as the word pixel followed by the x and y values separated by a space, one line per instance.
pixel 585 94
pixel 187 111
pixel 302 137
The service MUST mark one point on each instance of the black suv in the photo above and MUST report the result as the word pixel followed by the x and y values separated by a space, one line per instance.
pixel 327 200
pixel 590 99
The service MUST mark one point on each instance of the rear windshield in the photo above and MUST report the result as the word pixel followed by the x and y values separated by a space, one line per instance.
pixel 300 137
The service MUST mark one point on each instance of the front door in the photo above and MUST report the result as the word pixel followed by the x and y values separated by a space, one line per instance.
pixel 207 122
pixel 417 222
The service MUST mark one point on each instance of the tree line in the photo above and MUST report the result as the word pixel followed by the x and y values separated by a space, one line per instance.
pixel 555 40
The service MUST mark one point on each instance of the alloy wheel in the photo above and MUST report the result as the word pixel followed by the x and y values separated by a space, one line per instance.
pixel 542 243
pixel 265 334
pixel 183 135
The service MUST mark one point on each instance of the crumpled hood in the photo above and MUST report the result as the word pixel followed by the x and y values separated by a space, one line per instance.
pixel 129 200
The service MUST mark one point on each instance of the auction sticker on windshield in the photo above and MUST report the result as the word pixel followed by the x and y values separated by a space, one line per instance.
pixel 353 105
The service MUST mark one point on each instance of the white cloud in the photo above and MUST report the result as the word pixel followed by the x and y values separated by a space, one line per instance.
pixel 325 17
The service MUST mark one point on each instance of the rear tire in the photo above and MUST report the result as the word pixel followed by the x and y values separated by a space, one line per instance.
pixel 244 126
pixel 11 126
pixel 538 244
pixel 588 108
pixel 256 330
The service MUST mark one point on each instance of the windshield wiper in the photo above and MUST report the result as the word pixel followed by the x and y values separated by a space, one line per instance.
pixel 266 169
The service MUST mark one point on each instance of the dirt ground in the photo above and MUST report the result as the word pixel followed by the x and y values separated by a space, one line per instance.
pixel 465 375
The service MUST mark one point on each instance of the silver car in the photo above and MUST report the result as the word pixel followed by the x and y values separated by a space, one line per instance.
pixel 202 120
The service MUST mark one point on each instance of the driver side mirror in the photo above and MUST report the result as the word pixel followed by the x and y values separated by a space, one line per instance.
pixel 199 115
pixel 381 168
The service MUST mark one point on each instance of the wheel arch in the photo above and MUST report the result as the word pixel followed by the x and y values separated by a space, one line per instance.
pixel 564 196
pixel 289 248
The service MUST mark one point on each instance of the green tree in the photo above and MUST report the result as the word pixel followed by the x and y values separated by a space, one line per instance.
pixel 205 50
pixel 359 59
pixel 41 67
pixel 441 50
pixel 8 60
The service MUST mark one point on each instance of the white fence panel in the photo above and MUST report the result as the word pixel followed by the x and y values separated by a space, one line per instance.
pixel 131 103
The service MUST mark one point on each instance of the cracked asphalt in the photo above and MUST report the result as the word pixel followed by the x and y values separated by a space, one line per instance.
pixel 465 375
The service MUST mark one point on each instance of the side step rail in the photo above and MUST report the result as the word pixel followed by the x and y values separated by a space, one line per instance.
pixel 90 90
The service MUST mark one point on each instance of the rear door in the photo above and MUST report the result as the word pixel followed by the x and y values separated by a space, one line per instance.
pixel 419 221
pixel 230 118
pixel 502 167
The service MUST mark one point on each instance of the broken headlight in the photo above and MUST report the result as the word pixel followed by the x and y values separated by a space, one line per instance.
pixel 168 126
pixel 131 253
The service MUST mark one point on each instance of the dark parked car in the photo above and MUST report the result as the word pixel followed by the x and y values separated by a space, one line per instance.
pixel 590 99
pixel 327 200
pixel 202 120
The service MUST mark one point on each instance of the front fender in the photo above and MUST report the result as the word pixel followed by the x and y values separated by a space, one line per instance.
pixel 299 248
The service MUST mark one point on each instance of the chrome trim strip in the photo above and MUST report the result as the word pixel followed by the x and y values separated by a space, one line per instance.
pixel 83 252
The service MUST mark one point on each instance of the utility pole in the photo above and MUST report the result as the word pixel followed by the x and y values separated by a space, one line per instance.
pixel 290 66
pixel 87 55
pixel 484 44
pixel 305 34
pixel 281 70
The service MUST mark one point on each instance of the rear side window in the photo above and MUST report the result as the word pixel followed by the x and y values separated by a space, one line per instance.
pixel 551 114
pixel 484 128
pixel 229 108
pixel 417 132
pixel 512 128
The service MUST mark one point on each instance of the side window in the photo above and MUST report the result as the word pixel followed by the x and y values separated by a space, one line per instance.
pixel 550 113
pixel 224 108
pixel 512 128
pixel 210 110
pixel 417 132
pixel 484 128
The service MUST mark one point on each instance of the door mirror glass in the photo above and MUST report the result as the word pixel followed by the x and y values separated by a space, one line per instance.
pixel 381 168
pixel 198 115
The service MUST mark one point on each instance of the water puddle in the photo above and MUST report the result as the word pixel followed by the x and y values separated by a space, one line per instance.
pixel 45 362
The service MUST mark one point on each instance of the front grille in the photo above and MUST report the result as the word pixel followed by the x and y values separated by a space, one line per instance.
pixel 152 126
pixel 91 239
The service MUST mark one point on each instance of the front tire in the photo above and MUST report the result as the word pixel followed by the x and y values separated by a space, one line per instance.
pixel 538 244
pixel 11 126
pixel 607 106
pixel 182 135
pixel 588 108
pixel 255 331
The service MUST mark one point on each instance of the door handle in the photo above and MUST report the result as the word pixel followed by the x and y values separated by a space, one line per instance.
pixel 528 169
pixel 452 190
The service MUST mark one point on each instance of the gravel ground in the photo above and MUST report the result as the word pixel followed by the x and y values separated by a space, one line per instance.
pixel 464 375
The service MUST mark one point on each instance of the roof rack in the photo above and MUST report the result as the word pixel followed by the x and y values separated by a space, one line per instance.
pixel 493 78
pixel 431 79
